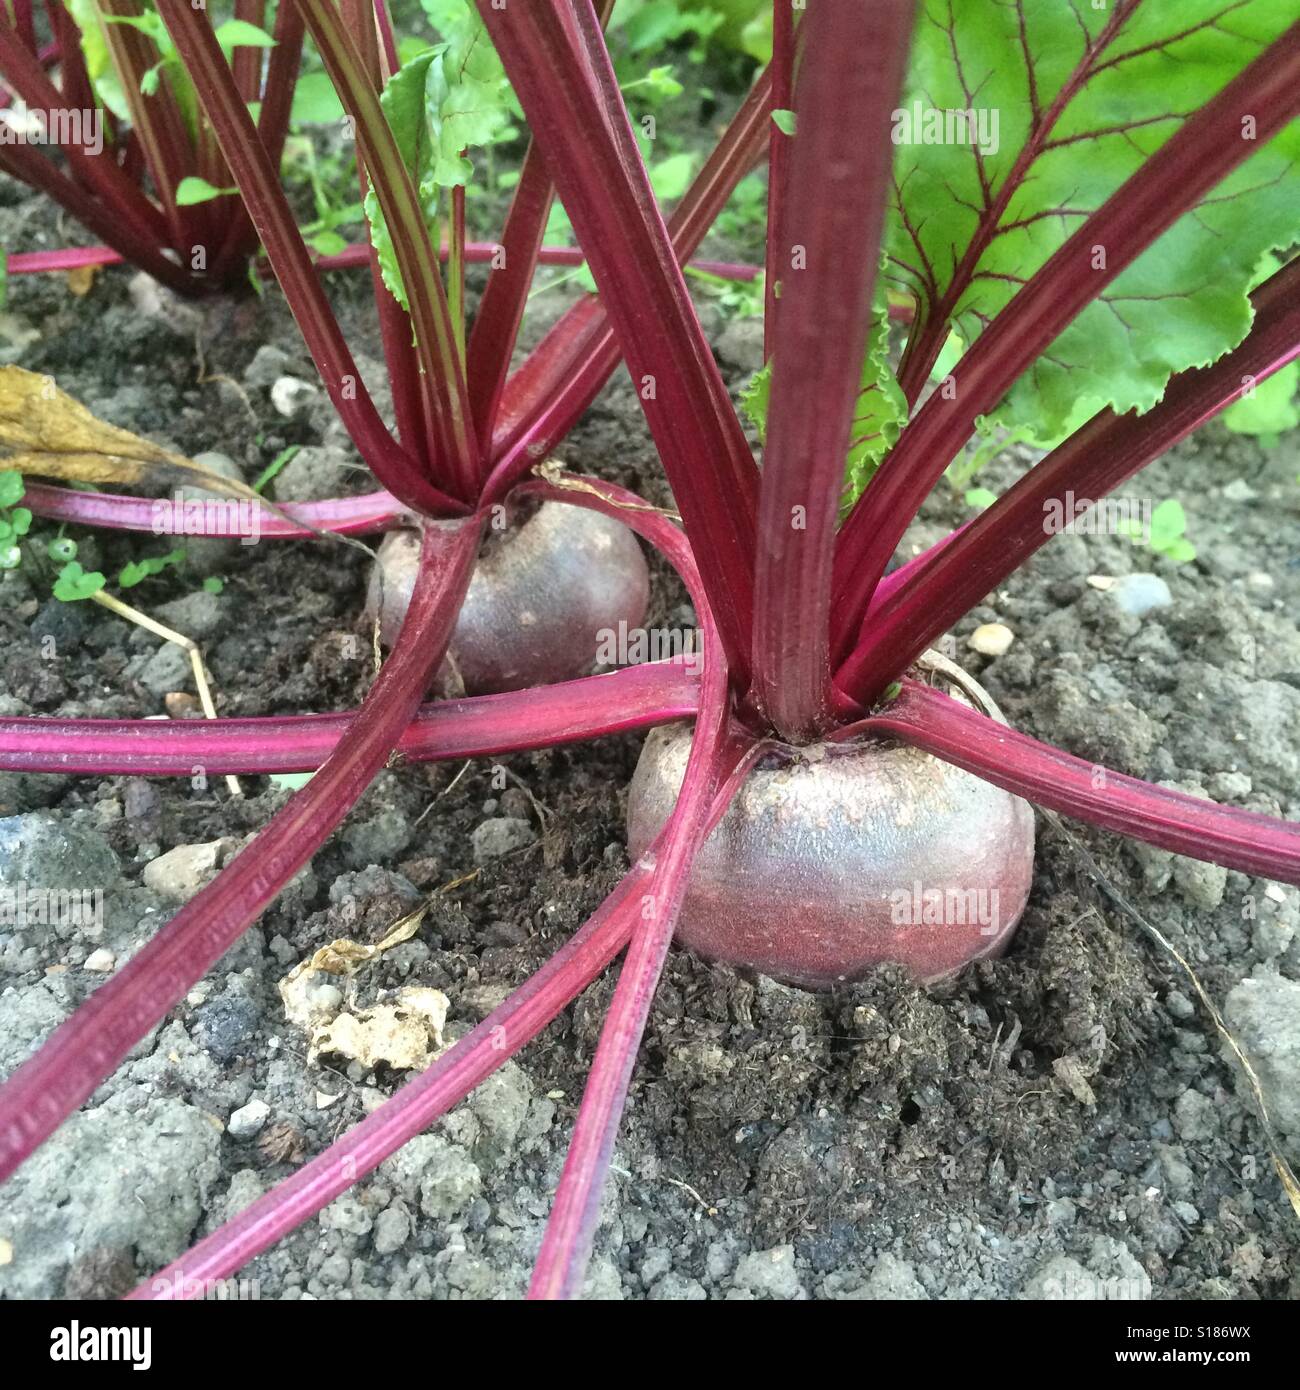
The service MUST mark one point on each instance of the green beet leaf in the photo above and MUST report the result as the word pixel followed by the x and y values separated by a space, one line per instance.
pixel 1068 101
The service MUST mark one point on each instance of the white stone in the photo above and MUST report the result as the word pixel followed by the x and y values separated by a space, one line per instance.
pixel 991 639
pixel 181 872
pixel 248 1120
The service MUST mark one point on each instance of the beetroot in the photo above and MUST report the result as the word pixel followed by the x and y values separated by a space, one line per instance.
pixel 540 595
pixel 834 858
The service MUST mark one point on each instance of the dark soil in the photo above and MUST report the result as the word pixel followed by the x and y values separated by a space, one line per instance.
pixel 1060 1122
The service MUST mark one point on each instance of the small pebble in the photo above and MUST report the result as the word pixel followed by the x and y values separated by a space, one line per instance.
pixel 1139 594
pixel 181 872
pixel 327 998
pixel 1179 1005
pixel 290 394
pixel 248 1120
pixel 392 1227
pixel 1230 786
pixel 220 463
pixel 102 960
pixel 991 639
pixel 499 836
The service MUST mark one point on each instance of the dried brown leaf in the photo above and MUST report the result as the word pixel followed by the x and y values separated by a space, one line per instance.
pixel 48 434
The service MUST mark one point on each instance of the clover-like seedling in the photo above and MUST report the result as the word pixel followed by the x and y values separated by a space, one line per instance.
pixel 74 583
pixel 15 521
pixel 136 571
pixel 1165 533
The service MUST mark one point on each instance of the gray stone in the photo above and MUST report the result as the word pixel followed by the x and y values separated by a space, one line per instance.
pixel 335 1270
pixel 226 1024
pixel 894 1280
pixel 198 615
pixel 27 1017
pixel 769 1274
pixel 1230 786
pixel 1124 1278
pixel 269 364
pixel 1202 885
pixel 42 850
pixel 352 889
pixel 501 1106
pixel 166 669
pixel 313 474
pixel 248 1120
pixel 1060 1280
pixel 1064 557
pixel 1061 1212
pixel 451 1180
pixel 348 1214
pixel 1195 1117
pixel 62 624
pixel 378 838
pixel 246 1186
pixel 603 1284
pixel 740 344
pixel 1263 1013
pixel 677 1288
pixel 392 1229
pixel 1112 1274
pixel 1272 936
pixel 173 1056
pixel 1140 594
pixel 223 464
pixel 1179 1179
pixel 1179 1005
pixel 440 1173
pixel 118 1176
pixel 500 835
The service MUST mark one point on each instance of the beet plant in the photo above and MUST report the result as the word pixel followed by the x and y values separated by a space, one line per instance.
pixel 103 119
pixel 118 140
pixel 1082 195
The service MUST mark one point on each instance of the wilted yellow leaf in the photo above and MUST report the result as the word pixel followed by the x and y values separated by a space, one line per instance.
pixel 81 279
pixel 405 1032
pixel 50 435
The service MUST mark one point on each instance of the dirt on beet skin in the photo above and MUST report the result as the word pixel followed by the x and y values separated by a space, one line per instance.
pixel 1062 1122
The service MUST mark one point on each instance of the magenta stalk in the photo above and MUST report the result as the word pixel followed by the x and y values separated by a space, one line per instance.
pixel 344 516
pixel 638 697
pixel 1242 840
pixel 85 1049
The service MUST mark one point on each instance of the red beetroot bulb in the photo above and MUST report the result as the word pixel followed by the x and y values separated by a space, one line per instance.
pixel 838 857
pixel 541 595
